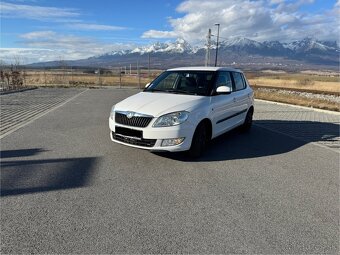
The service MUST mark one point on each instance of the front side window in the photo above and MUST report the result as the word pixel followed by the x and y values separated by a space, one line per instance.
pixel 224 79
pixel 168 82
pixel 183 82
pixel 239 81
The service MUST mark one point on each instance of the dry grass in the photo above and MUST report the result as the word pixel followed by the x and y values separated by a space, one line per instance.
pixel 320 83
pixel 293 84
pixel 297 100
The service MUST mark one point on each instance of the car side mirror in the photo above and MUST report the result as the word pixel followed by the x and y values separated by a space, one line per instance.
pixel 147 85
pixel 223 90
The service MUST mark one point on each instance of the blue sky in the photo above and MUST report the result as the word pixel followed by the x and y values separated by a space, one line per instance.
pixel 39 30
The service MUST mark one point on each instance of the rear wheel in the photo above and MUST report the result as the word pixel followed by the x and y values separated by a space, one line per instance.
pixel 248 121
pixel 199 141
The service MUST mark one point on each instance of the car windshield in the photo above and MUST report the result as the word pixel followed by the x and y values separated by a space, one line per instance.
pixel 183 82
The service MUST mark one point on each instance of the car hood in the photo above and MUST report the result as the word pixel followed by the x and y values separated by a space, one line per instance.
pixel 157 104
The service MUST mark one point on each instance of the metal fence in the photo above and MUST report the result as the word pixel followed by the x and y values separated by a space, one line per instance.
pixel 70 77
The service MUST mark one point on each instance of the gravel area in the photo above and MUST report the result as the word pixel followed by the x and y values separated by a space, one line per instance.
pixel 330 98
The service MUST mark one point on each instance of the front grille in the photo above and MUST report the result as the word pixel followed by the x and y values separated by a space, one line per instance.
pixel 135 121
pixel 134 141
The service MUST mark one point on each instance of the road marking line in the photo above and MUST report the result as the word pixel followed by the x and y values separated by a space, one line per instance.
pixel 40 115
pixel 298 106
pixel 297 138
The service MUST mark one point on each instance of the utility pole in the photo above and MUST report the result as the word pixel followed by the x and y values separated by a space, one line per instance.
pixel 130 69
pixel 149 65
pixel 120 78
pixel 218 36
pixel 207 54
pixel 71 74
pixel 138 74
pixel 98 74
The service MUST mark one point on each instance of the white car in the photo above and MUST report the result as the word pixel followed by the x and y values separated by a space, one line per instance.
pixel 182 109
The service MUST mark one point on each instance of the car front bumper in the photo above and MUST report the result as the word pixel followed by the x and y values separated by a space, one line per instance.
pixel 156 135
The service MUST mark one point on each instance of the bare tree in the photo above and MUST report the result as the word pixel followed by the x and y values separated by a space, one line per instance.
pixel 16 73
pixel 2 75
pixel 11 77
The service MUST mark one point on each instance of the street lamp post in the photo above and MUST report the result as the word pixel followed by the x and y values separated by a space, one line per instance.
pixel 218 36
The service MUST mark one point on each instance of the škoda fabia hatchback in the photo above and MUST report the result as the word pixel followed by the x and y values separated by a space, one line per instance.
pixel 182 109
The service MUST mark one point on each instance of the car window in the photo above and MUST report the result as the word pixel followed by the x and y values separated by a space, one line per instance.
pixel 183 82
pixel 239 82
pixel 224 79
pixel 168 82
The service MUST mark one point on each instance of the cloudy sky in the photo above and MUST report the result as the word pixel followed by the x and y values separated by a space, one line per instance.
pixel 42 30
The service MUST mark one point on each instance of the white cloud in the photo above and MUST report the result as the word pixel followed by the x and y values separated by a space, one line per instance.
pixel 159 34
pixel 38 35
pixel 70 17
pixel 27 55
pixel 96 27
pixel 286 6
pixel 276 1
pixel 42 46
pixel 10 10
pixel 259 20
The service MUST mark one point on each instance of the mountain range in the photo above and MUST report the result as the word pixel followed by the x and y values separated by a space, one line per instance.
pixel 239 52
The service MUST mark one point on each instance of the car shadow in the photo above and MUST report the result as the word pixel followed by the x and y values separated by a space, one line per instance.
pixel 266 138
pixel 20 153
pixel 31 176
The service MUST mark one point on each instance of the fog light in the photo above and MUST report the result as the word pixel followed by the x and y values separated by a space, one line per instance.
pixel 172 142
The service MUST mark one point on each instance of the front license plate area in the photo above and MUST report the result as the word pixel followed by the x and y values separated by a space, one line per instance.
pixel 129 132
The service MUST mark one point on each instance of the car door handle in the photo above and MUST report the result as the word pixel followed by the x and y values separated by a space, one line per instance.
pixel 234 99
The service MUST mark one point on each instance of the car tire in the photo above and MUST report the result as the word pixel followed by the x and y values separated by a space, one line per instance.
pixel 248 121
pixel 199 141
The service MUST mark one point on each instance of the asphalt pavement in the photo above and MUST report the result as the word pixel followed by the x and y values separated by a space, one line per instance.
pixel 66 188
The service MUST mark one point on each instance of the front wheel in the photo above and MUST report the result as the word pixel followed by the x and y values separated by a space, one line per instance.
pixel 248 121
pixel 199 141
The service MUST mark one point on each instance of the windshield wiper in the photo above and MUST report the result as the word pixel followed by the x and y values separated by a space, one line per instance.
pixel 177 91
pixel 156 90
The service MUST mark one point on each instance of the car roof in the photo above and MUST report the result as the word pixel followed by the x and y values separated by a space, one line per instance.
pixel 204 68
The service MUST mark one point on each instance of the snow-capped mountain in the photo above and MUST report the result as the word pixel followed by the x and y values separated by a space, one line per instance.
pixel 238 44
pixel 236 51
pixel 179 46
pixel 241 42
pixel 309 44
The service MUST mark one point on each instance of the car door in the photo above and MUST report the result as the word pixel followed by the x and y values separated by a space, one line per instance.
pixel 240 97
pixel 222 106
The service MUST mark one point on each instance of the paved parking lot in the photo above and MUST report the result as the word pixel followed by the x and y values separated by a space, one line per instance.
pixel 18 108
pixel 309 125
pixel 66 188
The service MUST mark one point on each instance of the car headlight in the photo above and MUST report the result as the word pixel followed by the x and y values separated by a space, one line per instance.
pixel 112 113
pixel 171 119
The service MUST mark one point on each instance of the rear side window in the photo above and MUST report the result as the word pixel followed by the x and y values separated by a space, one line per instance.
pixel 239 81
